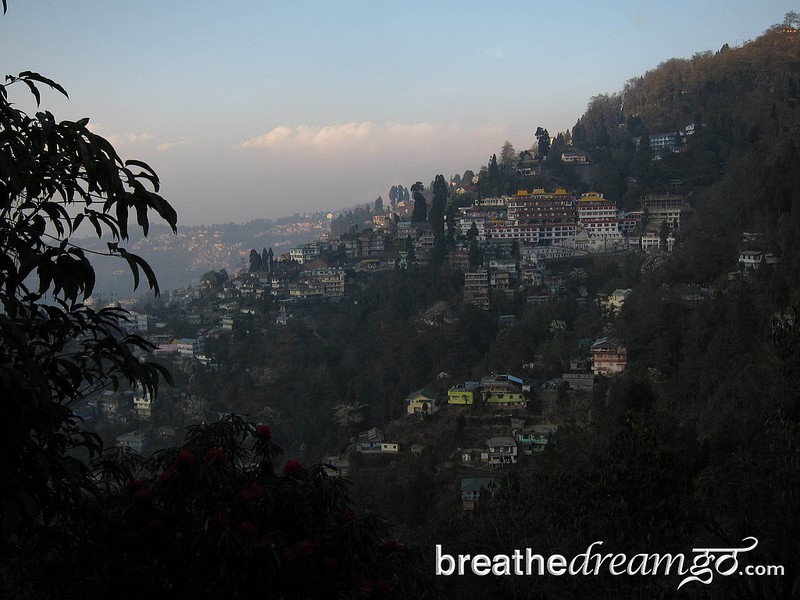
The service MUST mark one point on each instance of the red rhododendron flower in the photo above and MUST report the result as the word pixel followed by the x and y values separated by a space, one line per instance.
pixel 293 469
pixel 218 522
pixel 248 529
pixel 249 495
pixel 365 589
pixel 185 461
pixel 156 527
pixel 263 433
pixel 299 549
pixel 215 457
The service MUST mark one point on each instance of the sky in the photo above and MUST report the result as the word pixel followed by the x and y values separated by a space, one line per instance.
pixel 253 109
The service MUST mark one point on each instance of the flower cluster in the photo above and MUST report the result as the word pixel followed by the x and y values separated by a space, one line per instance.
pixel 263 433
pixel 293 468
pixel 241 525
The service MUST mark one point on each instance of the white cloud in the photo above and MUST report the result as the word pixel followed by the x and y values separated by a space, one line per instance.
pixel 369 141
pixel 306 136
pixel 128 138
pixel 164 146
pixel 119 140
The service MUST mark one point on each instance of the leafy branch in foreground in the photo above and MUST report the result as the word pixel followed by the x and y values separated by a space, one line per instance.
pixel 56 177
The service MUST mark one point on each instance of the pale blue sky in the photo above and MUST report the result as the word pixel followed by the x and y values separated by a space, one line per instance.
pixel 251 109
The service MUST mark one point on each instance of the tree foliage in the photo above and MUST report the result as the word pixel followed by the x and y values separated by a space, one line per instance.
pixel 543 142
pixel 420 212
pixel 218 517
pixel 437 212
pixel 56 180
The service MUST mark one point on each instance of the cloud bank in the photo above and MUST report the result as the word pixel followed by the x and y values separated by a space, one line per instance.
pixel 347 136
pixel 374 143
pixel 165 146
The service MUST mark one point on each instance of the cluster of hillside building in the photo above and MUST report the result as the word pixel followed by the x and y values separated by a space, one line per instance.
pixel 607 356
pixel 502 243
pixel 585 223
pixel 518 237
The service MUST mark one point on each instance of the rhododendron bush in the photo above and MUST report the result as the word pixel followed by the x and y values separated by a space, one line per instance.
pixel 216 519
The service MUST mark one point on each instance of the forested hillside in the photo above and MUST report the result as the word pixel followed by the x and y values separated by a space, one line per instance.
pixel 697 445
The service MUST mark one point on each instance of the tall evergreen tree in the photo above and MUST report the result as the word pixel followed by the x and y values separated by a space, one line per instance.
pixel 436 216
pixel 255 261
pixel 420 212
pixel 264 260
pixel 543 141
pixel 508 156
pixel 450 213
pixel 494 174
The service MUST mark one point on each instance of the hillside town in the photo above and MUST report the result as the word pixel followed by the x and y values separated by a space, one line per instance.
pixel 518 249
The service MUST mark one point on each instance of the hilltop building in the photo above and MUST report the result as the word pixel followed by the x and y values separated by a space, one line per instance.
pixel 473 487
pixel 609 356
pixel 673 209
pixel 598 216
pixel 505 391
pixel 500 451
pixel 463 394
pixel 422 402
pixel 538 217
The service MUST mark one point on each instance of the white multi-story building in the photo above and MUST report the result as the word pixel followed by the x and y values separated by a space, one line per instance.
pixel 143 404
pixel 332 280
pixel 500 451
pixel 190 346
pixel 651 242
pixel 476 288
pixel 598 216
pixel 537 217
pixel 138 322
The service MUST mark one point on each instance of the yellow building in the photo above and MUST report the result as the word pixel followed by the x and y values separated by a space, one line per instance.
pixel 422 402
pixel 462 394
pixel 503 390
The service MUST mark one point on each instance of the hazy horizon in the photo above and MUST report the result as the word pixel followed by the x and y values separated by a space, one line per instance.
pixel 258 110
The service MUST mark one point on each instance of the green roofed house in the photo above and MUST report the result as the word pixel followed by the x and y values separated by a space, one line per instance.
pixel 471 488
pixel 422 402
